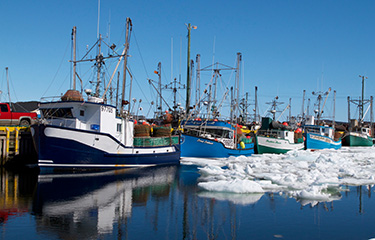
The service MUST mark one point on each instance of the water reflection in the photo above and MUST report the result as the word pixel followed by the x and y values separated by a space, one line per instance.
pixel 92 203
pixel 161 203
pixel 16 192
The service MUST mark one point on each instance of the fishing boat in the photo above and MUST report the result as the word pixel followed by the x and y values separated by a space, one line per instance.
pixel 320 136
pixel 274 137
pixel 358 132
pixel 358 137
pixel 213 139
pixel 79 133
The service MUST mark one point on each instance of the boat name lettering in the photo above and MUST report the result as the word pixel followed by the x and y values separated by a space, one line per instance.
pixel 273 141
pixel 106 109
pixel 204 141
pixel 320 138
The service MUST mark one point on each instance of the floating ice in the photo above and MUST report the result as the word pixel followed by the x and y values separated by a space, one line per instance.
pixel 307 176
pixel 240 199
pixel 234 186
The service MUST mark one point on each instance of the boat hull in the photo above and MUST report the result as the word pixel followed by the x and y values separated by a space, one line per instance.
pixel 60 147
pixel 316 141
pixel 192 146
pixel 275 145
pixel 356 139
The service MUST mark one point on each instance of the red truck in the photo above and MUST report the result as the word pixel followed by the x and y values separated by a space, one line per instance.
pixel 7 117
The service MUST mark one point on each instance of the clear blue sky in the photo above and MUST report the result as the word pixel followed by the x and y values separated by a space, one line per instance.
pixel 286 46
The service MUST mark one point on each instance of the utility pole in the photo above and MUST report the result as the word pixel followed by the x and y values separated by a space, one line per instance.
pixel 10 101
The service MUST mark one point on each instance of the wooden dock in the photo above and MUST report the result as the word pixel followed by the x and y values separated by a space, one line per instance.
pixel 16 143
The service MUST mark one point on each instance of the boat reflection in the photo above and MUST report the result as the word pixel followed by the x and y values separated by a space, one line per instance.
pixel 92 203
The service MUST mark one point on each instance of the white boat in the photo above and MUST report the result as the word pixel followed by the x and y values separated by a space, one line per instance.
pixel 88 133
pixel 278 138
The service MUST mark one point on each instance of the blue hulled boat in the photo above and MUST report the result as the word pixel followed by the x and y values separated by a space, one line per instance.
pixel 321 137
pixel 213 139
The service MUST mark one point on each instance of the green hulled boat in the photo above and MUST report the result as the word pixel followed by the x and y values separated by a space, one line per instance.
pixel 358 132
pixel 358 138
pixel 278 141
pixel 277 138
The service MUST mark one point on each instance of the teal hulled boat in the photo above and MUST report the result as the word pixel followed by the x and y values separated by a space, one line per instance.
pixel 362 137
pixel 274 137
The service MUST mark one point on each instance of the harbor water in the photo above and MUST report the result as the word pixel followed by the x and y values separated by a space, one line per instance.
pixel 325 194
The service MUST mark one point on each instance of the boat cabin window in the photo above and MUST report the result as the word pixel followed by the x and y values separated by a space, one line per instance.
pixel 220 133
pixel 82 113
pixel 57 113
pixel 119 127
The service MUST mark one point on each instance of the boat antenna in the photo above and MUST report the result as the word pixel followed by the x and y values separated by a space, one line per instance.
pixel 97 35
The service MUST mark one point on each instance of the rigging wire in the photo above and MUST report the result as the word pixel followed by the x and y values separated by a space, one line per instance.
pixel 135 79
pixel 140 54
pixel 54 77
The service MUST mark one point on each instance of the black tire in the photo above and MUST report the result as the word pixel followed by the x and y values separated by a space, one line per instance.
pixel 25 122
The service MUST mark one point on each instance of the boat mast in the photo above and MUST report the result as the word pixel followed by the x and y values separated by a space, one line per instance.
pixel 74 35
pixel 256 104
pixel 99 61
pixel 127 39
pixel 290 109
pixel 188 80
pixel 231 104
pixel 237 90
pixel 118 85
pixel 371 117
pixel 303 105
pixel 348 109
pixel 198 82
pixel 334 107
pixel 158 98
pixel 361 105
